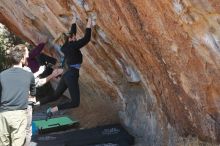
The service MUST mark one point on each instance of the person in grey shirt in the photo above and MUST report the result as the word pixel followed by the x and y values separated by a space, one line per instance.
pixel 32 101
pixel 15 86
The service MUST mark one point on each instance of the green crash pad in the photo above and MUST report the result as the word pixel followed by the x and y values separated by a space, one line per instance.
pixel 55 124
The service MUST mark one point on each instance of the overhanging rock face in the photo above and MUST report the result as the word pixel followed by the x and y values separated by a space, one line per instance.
pixel 153 64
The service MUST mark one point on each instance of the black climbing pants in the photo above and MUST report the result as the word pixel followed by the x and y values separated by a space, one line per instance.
pixel 68 80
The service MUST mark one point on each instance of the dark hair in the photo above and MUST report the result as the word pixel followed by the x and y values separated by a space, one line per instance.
pixel 16 54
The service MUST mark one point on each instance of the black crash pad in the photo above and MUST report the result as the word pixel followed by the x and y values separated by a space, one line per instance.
pixel 110 135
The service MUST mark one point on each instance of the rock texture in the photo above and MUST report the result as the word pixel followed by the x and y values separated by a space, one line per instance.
pixel 152 64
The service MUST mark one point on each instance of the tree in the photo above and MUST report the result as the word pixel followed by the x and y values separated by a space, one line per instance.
pixel 7 40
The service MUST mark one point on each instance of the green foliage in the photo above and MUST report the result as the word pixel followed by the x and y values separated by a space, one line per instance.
pixel 7 40
pixel 2 59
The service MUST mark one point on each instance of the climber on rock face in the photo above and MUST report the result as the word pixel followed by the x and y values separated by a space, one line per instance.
pixel 70 47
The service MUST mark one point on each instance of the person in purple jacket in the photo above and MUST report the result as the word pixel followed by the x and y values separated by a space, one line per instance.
pixel 33 64
pixel 37 59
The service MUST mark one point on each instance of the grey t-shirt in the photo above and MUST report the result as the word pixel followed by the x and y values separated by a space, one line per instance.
pixel 15 84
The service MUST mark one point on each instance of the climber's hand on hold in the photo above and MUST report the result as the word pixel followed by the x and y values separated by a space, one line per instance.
pixel 93 17
pixel 89 23
pixel 74 17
